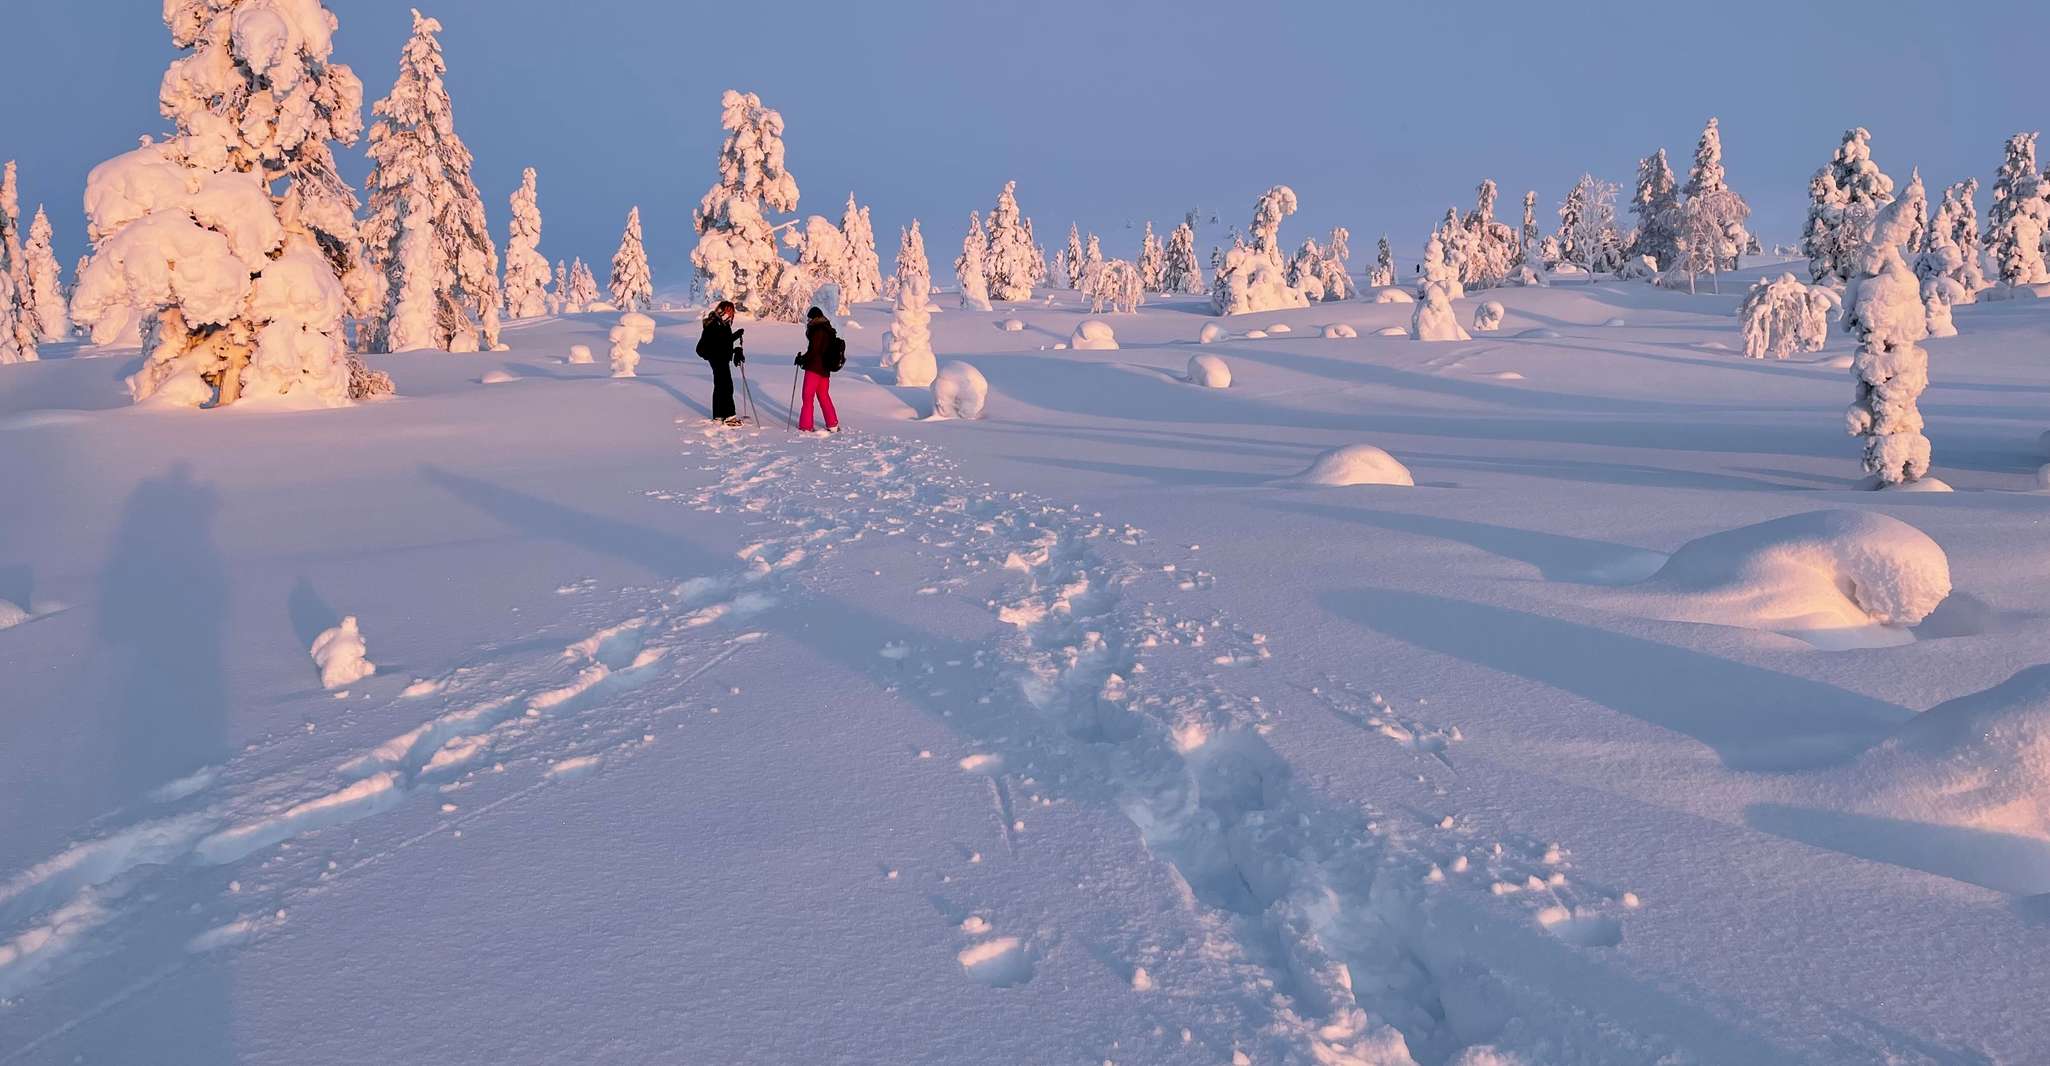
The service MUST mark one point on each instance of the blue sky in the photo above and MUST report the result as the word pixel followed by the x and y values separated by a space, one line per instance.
pixel 1379 115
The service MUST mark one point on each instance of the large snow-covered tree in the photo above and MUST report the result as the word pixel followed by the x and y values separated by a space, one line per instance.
pixel 526 269
pixel 45 284
pixel 1489 247
pixel 1951 249
pixel 824 258
pixel 736 256
pixel 234 234
pixel 1152 261
pixel 1883 308
pixel 863 278
pixel 1587 225
pixel 1843 198
pixel 440 291
pixel 1709 197
pixel 1384 265
pixel 633 290
pixel 1253 277
pixel 583 288
pixel 1070 258
pixel 1116 283
pixel 1653 202
pixel 1014 262
pixel 1781 316
pixel 1527 240
pixel 2019 218
pixel 558 295
pixel 910 348
pixel 1179 271
pixel 18 316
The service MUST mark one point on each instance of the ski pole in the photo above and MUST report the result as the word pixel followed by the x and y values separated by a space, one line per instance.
pixel 748 387
pixel 791 418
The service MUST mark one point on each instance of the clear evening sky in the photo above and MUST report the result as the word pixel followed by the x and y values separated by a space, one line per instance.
pixel 1379 114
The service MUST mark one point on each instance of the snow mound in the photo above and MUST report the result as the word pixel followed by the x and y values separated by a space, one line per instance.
pixel 1094 335
pixel 339 652
pixel 1210 334
pixel 1393 296
pixel 1981 761
pixel 1836 579
pixel 1539 334
pixel 1355 464
pixel 1209 371
pixel 11 615
pixel 1506 375
pixel 1837 362
pixel 1011 325
pixel 1339 331
pixel 1922 484
pixel 1256 334
pixel 2043 443
pixel 498 377
pixel 1279 327
pixel 1615 322
pixel 580 354
pixel 959 391
pixel 2043 476
pixel 1391 331
pixel 1487 318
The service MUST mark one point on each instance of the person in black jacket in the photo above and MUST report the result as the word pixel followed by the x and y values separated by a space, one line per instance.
pixel 719 345
pixel 823 354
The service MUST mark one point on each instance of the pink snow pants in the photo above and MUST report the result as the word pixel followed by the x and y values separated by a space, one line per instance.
pixel 818 385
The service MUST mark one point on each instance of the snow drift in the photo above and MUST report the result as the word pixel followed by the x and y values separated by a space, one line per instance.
pixel 1836 579
pixel 1209 371
pixel 1095 335
pixel 1355 464
pixel 1981 761
pixel 959 391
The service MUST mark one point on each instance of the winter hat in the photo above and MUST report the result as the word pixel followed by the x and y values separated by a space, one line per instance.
pixel 814 314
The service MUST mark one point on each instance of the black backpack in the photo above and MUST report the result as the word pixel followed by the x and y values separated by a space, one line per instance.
pixel 836 356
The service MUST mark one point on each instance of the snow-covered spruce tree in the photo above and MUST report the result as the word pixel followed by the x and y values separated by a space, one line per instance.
pixel 583 289
pixel 1070 258
pixel 2019 218
pixel 736 256
pixel 18 317
pixel 1152 261
pixel 633 290
pixel 863 279
pixel 1253 277
pixel 526 270
pixel 1433 318
pixel 1965 231
pixel 1526 244
pixel 1489 246
pixel 1944 255
pixel 558 294
pixel 1708 233
pixel 1092 257
pixel 420 174
pixel 1384 265
pixel 1336 268
pixel 1274 205
pixel 1781 316
pixel 45 286
pixel 1014 262
pixel 231 233
pixel 823 258
pixel 1457 244
pixel 1843 198
pixel 910 351
pixel 1653 203
pixel 1116 282
pixel 1180 272
pixel 969 270
pixel 1587 225
pixel 1306 269
pixel 1883 309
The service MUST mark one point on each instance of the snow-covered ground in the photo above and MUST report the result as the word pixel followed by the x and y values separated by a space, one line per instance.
pixel 1088 731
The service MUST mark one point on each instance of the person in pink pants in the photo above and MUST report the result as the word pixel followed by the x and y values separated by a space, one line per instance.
pixel 824 353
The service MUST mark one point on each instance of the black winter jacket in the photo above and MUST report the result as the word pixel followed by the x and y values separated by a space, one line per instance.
pixel 715 345
pixel 818 347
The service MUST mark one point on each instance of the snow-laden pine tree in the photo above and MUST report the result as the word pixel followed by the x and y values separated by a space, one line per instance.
pixel 1843 198
pixel 1656 196
pixel 1457 248
pixel 1179 272
pixel 910 350
pixel 633 290
pixel 1337 266
pixel 2019 218
pixel 1433 318
pixel 1781 316
pixel 1706 175
pixel 736 256
pixel 1253 277
pixel 1152 261
pixel 558 294
pixel 824 258
pixel 19 317
pixel 1305 268
pixel 969 270
pixel 863 279
pixel 230 232
pixel 1070 258
pixel 1116 283
pixel 1489 246
pixel 1092 258
pixel 1883 309
pixel 1945 254
pixel 1587 225
pixel 45 286
pixel 1384 265
pixel 583 287
pixel 1527 241
pixel 1014 262
pixel 1965 231
pixel 420 175
pixel 526 269
pixel 1274 205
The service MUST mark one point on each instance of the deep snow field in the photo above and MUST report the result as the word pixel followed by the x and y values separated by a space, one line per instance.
pixel 1086 732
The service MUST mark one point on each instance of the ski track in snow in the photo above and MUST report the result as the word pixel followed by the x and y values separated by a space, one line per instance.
pixel 1319 928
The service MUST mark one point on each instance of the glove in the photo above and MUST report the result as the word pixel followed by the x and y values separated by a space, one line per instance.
pixel 799 361
pixel 739 358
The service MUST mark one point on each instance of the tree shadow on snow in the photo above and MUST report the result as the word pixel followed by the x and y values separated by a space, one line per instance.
pixel 1554 556
pixel 1754 719
pixel 2003 862
pixel 658 551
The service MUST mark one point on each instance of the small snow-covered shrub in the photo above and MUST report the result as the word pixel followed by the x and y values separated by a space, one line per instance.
pixel 1256 334
pixel 1487 318
pixel 1642 268
pixel 1279 327
pixel 1782 316
pixel 1393 296
pixel 1011 325
pixel 1814 575
pixel 1209 371
pixel 1250 281
pixel 1211 333
pixel 1355 464
pixel 1338 331
pixel 340 654
pixel 1391 331
pixel 634 330
pixel 1615 323
pixel 1115 283
pixel 959 391
pixel 497 377
pixel 1433 319
pixel 1094 335
pixel 580 354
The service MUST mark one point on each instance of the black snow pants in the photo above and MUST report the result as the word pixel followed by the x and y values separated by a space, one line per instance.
pixel 722 388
